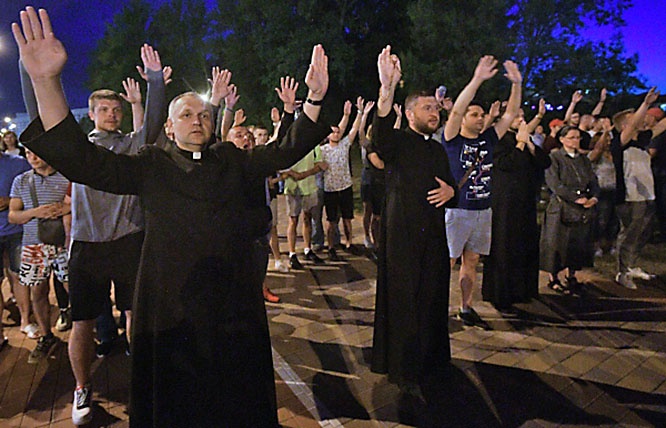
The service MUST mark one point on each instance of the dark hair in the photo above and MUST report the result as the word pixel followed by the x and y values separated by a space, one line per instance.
pixel 565 130
pixel 412 97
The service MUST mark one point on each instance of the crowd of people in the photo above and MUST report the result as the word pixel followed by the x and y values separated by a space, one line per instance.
pixel 162 213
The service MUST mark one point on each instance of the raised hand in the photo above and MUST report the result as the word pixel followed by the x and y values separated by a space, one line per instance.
pixel 347 108
pixel 440 195
pixel 150 58
pixel 317 76
pixel 275 115
pixel 166 72
pixel 486 68
pixel 389 68
pixel 359 104
pixel 232 98
pixel 576 96
pixel 542 107
pixel 368 107
pixel 220 85
pixel 132 91
pixel 287 92
pixel 523 134
pixel 495 109
pixel 512 72
pixel 603 95
pixel 397 108
pixel 239 117
pixel 651 96
pixel 41 53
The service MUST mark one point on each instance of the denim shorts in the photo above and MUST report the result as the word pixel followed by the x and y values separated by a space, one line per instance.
pixel 468 230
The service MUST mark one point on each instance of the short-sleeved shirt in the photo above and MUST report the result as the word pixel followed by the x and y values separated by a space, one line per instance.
pixel 634 178
pixel 308 185
pixel 464 153
pixel 10 167
pixel 49 189
pixel 337 176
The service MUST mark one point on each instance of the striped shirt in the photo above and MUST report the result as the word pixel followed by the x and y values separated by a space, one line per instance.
pixel 49 189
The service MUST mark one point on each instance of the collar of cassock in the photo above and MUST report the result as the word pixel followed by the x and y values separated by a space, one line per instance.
pixel 97 134
pixel 194 156
pixel 425 137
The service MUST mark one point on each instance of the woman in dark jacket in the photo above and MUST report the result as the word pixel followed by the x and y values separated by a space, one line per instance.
pixel 566 241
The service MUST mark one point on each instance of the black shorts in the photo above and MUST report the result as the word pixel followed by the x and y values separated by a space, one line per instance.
pixel 336 202
pixel 92 267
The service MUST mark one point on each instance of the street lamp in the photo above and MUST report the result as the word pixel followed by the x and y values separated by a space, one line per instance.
pixel 7 119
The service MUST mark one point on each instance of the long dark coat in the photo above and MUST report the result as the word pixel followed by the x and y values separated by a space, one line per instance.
pixel 411 312
pixel 201 353
pixel 562 245
pixel 511 271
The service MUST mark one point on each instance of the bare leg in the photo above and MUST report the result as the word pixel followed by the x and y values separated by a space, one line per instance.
pixel 22 294
pixel 367 220
pixel 128 325
pixel 274 243
pixel 41 306
pixel 291 233
pixel 467 277
pixel 376 222
pixel 347 226
pixel 330 234
pixel 307 229
pixel 81 350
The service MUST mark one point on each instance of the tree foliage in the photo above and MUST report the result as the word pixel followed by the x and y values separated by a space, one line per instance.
pixel 438 41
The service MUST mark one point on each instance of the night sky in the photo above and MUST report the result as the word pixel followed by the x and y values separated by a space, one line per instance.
pixel 79 23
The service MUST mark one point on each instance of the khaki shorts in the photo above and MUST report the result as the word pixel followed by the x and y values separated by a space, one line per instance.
pixel 468 230
pixel 298 203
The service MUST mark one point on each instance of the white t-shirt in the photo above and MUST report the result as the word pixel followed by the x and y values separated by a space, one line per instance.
pixel 638 175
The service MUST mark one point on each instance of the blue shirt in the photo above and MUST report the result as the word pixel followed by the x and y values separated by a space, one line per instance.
pixel 463 153
pixel 10 167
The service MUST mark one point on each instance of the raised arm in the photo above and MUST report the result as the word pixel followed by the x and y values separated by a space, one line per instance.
pixel 317 81
pixel 638 118
pixel 397 108
pixel 485 69
pixel 531 126
pixel 228 116
pixel 600 105
pixel 44 58
pixel 390 72
pixel 575 99
pixel 513 105
pixel 493 113
pixel 133 96
pixel 156 105
pixel 364 112
pixel 659 128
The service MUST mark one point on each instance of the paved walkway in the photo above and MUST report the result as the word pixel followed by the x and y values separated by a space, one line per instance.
pixel 563 361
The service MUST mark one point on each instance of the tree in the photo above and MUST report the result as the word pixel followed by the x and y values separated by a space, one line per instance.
pixel 118 51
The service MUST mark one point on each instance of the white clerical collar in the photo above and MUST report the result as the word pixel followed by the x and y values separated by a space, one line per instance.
pixel 196 155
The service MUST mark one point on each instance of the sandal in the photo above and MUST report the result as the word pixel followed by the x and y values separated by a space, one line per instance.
pixel 31 330
pixel 557 287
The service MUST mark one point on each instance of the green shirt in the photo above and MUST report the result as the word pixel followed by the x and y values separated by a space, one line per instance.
pixel 308 185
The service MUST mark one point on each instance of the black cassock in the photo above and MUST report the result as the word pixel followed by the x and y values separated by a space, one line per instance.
pixel 511 272
pixel 201 353
pixel 411 312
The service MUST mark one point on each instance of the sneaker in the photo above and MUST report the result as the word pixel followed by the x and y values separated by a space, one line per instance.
pixel 598 253
pixel 31 330
pixel 310 255
pixel 333 256
pixel 368 243
pixel 294 263
pixel 82 406
pixel 625 280
pixel 42 350
pixel 639 273
pixel 472 319
pixel 64 322
pixel 102 349
pixel 281 266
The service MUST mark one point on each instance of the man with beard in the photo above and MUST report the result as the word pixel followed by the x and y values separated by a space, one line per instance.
pixel 411 333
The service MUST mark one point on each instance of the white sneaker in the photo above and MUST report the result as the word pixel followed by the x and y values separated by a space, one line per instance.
pixel 281 266
pixel 82 407
pixel 368 244
pixel 640 274
pixel 31 330
pixel 625 280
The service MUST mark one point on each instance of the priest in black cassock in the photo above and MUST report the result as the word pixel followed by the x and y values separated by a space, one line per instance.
pixel 201 353
pixel 411 313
